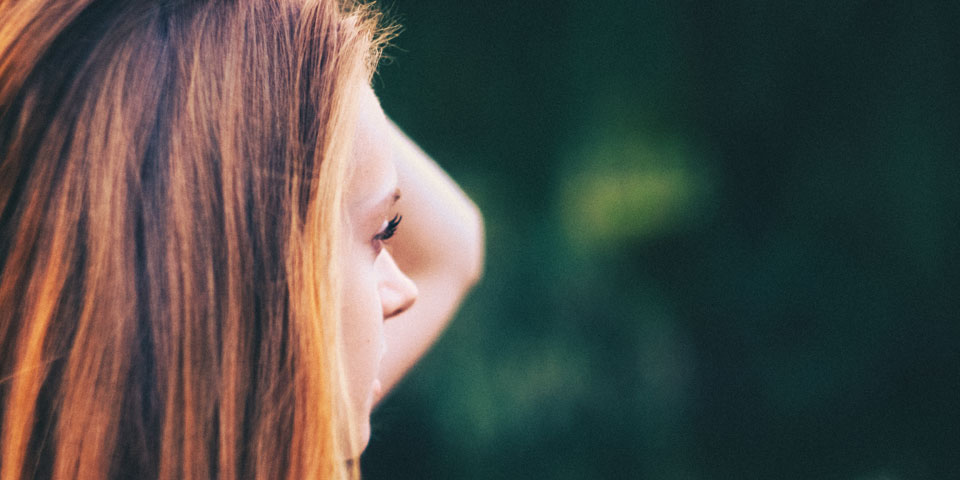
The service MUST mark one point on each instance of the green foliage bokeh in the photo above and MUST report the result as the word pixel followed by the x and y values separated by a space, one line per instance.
pixel 722 240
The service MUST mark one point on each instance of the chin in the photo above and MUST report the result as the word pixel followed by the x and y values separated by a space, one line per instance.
pixel 361 437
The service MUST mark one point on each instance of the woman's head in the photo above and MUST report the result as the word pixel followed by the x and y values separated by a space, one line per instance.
pixel 171 181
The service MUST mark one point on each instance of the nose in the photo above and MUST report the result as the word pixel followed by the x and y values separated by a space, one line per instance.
pixel 397 290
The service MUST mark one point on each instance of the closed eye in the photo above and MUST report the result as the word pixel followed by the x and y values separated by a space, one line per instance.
pixel 387 232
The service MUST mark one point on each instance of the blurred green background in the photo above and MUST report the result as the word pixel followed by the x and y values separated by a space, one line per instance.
pixel 722 240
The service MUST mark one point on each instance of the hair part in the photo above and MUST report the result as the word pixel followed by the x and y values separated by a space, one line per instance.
pixel 170 195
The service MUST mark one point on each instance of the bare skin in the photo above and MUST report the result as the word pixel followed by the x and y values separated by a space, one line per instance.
pixel 403 281
pixel 441 248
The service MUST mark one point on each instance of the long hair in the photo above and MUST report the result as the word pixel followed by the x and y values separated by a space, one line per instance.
pixel 170 197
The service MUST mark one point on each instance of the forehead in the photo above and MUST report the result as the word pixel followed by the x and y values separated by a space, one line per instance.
pixel 371 175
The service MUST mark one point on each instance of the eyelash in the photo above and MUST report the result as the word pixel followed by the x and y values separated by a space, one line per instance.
pixel 387 232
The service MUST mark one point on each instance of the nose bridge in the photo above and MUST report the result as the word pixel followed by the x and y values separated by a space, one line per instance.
pixel 397 290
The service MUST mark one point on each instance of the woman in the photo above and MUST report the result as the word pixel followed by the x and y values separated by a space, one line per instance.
pixel 195 199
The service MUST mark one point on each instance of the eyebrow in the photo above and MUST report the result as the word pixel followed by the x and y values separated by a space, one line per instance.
pixel 390 200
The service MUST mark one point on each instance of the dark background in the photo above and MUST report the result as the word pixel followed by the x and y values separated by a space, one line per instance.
pixel 722 240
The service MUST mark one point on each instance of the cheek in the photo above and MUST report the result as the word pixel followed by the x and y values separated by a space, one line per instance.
pixel 361 325
pixel 361 319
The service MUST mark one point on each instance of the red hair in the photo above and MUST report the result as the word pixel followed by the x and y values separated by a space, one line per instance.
pixel 170 183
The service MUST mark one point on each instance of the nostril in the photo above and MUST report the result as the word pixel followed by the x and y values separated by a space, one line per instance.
pixel 402 306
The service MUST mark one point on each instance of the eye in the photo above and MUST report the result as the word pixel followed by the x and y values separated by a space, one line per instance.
pixel 387 232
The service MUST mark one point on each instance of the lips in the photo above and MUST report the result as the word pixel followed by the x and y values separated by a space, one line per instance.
pixel 377 388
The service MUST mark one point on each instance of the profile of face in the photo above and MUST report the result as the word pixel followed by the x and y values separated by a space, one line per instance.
pixel 374 287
